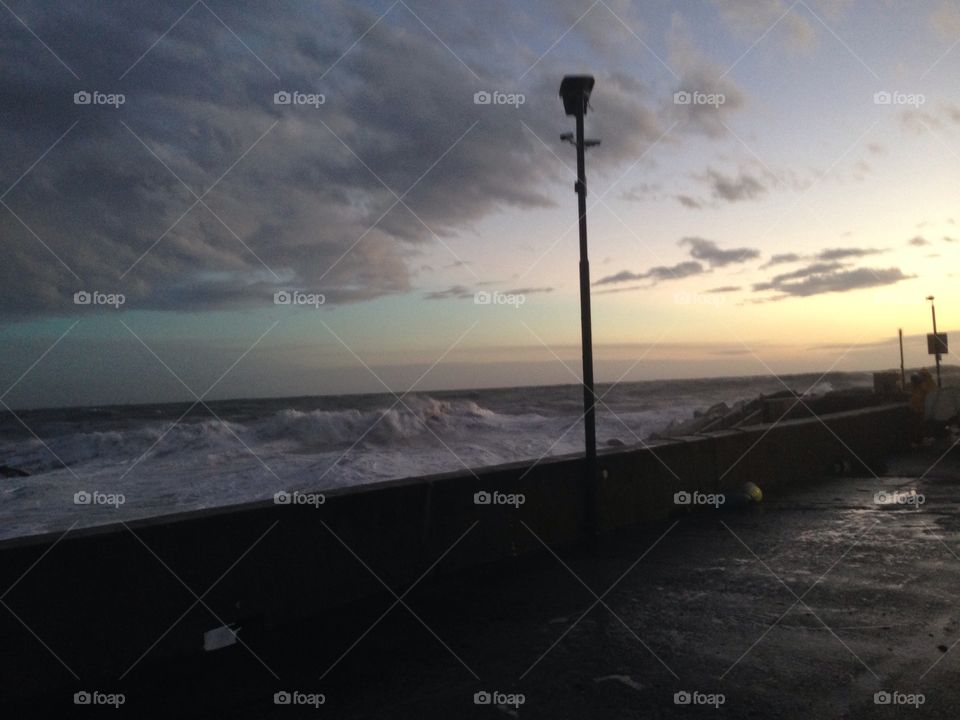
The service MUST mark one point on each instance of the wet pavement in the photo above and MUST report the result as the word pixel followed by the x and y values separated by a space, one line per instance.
pixel 805 606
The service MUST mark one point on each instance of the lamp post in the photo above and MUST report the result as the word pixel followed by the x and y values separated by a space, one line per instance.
pixel 936 339
pixel 903 372
pixel 575 91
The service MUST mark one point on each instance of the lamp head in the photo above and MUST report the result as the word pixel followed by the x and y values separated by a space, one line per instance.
pixel 575 91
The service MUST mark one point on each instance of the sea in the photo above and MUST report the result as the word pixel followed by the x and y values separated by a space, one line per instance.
pixel 96 465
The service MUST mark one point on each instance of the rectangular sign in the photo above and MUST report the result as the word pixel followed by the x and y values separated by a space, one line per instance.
pixel 937 344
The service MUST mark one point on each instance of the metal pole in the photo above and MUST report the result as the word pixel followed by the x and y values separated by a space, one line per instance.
pixel 586 333
pixel 903 373
pixel 936 343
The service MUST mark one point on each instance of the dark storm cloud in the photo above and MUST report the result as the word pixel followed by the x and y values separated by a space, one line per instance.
pixel 460 292
pixel 656 274
pixel 742 186
pixel 674 272
pixel 782 259
pixel 845 280
pixel 821 278
pixel 843 253
pixel 700 249
pixel 724 289
pixel 299 196
pixel 709 252
pixel 528 291
pixel 829 255
pixel 612 291
pixel 705 96
pixel 455 292
pixel 689 202
pixel 804 272
pixel 622 276
pixel 641 192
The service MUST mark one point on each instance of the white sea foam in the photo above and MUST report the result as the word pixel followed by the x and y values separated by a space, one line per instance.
pixel 254 448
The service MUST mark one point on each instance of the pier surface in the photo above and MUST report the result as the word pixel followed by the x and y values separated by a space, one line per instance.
pixel 804 606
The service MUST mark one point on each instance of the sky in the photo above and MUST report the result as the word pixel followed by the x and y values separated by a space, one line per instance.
pixel 775 192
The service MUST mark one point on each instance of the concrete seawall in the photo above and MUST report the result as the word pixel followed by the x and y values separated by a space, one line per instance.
pixel 92 602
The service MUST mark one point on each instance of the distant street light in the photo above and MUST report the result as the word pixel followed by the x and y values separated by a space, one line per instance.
pixel 936 338
pixel 575 91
